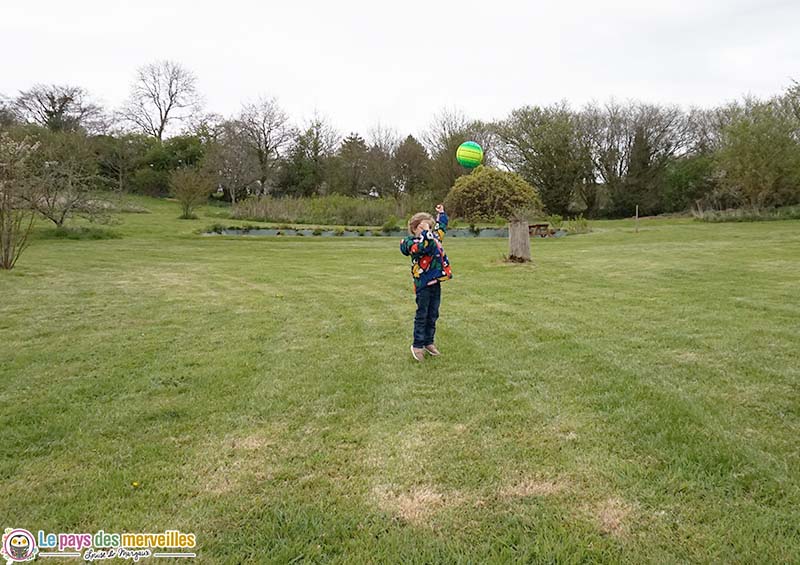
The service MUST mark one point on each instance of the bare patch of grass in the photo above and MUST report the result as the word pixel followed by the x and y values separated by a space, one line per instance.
pixel 612 516
pixel 223 466
pixel 415 505
pixel 533 487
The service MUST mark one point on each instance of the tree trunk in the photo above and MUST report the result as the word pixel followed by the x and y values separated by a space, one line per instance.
pixel 519 241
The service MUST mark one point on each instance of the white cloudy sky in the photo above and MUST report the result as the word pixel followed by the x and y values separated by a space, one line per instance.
pixel 363 62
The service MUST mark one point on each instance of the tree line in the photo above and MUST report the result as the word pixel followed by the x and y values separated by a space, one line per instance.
pixel 601 160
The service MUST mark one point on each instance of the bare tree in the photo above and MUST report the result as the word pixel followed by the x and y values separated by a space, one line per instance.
pixel 790 102
pixel 204 125
pixel 632 146
pixel 16 214
pixel 383 144
pixel 59 108
pixel 449 129
pixel 445 124
pixel 383 138
pixel 65 169
pixel 163 92
pixel 7 117
pixel 231 160
pixel 269 134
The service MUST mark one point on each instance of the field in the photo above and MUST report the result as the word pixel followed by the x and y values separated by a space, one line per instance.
pixel 627 398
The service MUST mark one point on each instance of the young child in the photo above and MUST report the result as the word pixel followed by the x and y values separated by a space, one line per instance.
pixel 429 266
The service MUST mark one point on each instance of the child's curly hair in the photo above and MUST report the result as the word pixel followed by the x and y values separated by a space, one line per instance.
pixel 417 218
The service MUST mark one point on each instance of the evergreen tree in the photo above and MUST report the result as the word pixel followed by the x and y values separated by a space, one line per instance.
pixel 412 167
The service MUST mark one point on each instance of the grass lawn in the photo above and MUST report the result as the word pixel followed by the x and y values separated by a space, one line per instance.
pixel 628 398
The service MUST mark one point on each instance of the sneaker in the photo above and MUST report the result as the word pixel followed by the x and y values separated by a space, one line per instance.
pixel 431 349
pixel 418 354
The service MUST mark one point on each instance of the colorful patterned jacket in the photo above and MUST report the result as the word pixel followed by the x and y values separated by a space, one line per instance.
pixel 429 264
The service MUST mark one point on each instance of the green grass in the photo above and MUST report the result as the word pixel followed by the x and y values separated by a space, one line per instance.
pixel 627 398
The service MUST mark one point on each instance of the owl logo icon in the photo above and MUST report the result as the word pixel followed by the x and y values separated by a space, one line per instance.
pixel 18 545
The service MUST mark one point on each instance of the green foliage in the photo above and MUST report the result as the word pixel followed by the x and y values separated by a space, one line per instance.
pixel 546 148
pixel 688 179
pixel 392 224
pixel 118 158
pixel 487 193
pixel 639 186
pixel 555 220
pixel 349 167
pixel 150 182
pixel 631 146
pixel 759 157
pixel 412 166
pixel 152 175
pixel 307 167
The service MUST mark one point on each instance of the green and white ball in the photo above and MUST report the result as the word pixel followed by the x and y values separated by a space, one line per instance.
pixel 469 154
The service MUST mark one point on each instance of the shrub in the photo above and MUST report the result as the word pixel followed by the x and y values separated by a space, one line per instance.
pixel 747 214
pixel 150 182
pixel 191 187
pixel 82 232
pixel 555 221
pixel 578 224
pixel 391 224
pixel 487 193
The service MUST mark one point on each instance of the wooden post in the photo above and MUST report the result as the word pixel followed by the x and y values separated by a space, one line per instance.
pixel 519 241
pixel 637 218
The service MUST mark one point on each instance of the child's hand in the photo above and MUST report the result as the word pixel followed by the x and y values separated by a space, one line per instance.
pixel 422 227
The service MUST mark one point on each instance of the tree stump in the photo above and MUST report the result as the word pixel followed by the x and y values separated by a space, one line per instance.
pixel 519 241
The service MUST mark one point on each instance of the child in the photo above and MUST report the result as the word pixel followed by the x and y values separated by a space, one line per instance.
pixel 429 266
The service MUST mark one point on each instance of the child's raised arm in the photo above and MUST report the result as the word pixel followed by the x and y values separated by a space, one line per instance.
pixel 441 220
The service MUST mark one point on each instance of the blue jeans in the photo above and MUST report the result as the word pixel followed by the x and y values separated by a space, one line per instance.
pixel 428 300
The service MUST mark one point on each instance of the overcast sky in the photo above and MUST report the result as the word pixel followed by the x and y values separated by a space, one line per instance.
pixel 398 63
